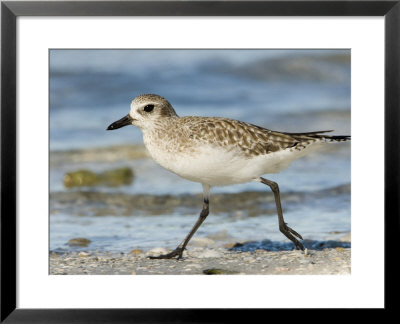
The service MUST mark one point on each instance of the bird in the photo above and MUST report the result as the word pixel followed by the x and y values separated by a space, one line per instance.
pixel 218 151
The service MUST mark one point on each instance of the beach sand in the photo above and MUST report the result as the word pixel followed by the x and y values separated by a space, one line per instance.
pixel 203 261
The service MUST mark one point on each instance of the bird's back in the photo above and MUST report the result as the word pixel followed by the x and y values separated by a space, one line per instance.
pixel 250 140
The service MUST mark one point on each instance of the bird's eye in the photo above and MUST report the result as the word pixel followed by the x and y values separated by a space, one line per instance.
pixel 148 108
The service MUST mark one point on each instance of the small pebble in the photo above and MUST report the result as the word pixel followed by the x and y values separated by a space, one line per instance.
pixel 136 251
pixel 79 241
pixel 216 271
pixel 230 245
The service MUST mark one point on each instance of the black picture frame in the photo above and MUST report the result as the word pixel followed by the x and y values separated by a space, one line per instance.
pixel 10 10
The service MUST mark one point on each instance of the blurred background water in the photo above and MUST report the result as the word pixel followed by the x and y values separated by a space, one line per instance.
pixel 284 90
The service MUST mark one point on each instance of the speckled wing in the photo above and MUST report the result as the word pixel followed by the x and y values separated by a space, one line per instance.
pixel 251 140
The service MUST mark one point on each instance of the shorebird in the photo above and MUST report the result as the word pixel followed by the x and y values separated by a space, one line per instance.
pixel 217 151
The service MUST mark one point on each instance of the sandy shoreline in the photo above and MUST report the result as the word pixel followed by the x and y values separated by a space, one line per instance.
pixel 202 261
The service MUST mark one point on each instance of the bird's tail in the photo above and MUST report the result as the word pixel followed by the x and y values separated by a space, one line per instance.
pixel 319 135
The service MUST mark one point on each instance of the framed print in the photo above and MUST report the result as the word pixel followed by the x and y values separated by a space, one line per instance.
pixel 215 89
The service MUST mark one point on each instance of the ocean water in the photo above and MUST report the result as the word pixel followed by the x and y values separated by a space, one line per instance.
pixel 287 90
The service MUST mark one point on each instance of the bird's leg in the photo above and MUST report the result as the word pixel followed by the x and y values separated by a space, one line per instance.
pixel 286 230
pixel 181 247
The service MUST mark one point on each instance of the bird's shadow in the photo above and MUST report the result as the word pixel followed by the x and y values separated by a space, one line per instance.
pixel 269 245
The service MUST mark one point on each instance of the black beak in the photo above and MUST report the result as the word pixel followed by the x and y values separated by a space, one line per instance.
pixel 124 121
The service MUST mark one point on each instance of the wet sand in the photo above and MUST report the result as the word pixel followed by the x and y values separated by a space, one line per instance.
pixel 206 261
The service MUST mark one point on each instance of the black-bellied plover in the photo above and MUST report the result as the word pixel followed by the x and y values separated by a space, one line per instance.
pixel 217 151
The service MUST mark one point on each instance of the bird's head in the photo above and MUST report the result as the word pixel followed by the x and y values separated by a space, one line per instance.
pixel 146 111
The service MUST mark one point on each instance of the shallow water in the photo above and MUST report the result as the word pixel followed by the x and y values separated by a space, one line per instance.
pixel 281 90
pixel 315 216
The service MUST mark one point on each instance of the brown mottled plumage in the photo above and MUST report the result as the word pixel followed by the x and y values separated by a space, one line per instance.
pixel 251 140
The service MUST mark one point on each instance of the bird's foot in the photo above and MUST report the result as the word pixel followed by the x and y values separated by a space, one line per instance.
pixel 290 234
pixel 175 253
